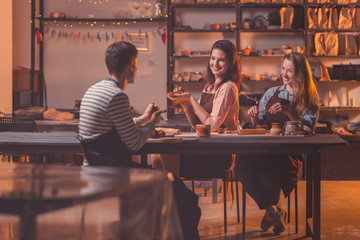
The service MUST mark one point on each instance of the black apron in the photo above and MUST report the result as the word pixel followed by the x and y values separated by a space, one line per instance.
pixel 203 165
pixel 285 168
pixel 108 149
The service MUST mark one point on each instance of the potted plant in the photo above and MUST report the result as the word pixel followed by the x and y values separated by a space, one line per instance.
pixel 274 19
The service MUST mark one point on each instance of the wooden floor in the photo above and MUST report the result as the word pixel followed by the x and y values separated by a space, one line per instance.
pixel 340 218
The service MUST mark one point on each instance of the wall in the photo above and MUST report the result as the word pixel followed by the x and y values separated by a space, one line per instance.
pixel 72 65
pixel 6 58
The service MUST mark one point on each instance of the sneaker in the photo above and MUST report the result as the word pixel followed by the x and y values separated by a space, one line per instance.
pixel 276 218
pixel 279 221
pixel 268 220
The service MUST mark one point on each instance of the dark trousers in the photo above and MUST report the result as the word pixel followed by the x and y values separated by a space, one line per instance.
pixel 186 201
pixel 259 179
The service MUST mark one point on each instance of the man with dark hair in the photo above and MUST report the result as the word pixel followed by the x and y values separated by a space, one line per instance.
pixel 110 134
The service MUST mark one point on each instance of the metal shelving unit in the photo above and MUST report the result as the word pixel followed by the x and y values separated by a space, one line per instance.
pixel 301 29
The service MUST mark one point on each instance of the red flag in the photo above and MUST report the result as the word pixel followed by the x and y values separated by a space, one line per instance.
pixel 163 37
pixel 39 36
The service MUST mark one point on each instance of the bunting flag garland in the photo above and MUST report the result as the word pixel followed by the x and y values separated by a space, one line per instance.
pixel 116 36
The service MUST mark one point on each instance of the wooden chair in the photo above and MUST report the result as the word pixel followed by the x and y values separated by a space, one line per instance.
pixel 17 124
pixel 197 171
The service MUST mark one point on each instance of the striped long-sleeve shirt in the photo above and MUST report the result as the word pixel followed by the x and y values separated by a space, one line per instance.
pixel 105 106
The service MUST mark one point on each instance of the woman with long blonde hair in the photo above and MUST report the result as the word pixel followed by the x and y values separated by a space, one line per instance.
pixel 264 176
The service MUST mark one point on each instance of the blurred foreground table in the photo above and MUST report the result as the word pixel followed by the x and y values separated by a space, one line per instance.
pixel 146 199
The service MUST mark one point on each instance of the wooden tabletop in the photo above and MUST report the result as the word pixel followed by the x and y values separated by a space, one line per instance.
pixel 186 143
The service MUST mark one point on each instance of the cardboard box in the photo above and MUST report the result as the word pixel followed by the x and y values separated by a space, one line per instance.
pixel 22 78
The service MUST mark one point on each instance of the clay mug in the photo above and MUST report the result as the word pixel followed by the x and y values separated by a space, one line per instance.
pixel 276 129
pixel 203 130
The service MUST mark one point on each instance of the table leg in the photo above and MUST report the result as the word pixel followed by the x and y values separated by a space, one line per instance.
pixel 317 197
pixel 27 225
pixel 309 192
pixel 144 159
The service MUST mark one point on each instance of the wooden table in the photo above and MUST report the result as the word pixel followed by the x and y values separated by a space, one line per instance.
pixel 56 126
pixel 39 143
pixel 262 144
pixel 28 190
pixel 216 144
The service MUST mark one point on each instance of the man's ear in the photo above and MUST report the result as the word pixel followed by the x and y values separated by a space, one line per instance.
pixel 131 65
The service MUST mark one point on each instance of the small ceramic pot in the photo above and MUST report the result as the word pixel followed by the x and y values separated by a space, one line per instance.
pixel 203 130
pixel 276 129
pixel 292 128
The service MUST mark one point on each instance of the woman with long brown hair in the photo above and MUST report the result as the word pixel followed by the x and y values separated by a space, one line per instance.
pixel 218 106
pixel 264 176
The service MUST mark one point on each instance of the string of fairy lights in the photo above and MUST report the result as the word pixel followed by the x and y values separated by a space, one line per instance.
pixel 55 29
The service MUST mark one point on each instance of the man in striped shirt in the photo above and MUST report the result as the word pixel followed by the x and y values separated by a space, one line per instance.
pixel 106 125
pixel 109 133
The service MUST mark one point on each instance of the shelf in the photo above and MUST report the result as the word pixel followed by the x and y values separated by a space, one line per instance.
pixel 272 30
pixel 339 56
pixel 101 19
pixel 333 30
pixel 262 81
pixel 333 5
pixel 270 5
pixel 229 5
pixel 203 30
pixel 192 56
pixel 323 108
pixel 264 55
pixel 339 81
pixel 202 82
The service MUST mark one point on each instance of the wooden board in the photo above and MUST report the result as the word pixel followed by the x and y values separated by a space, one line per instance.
pixel 252 131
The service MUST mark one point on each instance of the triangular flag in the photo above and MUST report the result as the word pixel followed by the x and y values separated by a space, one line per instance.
pixel 39 36
pixel 163 37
